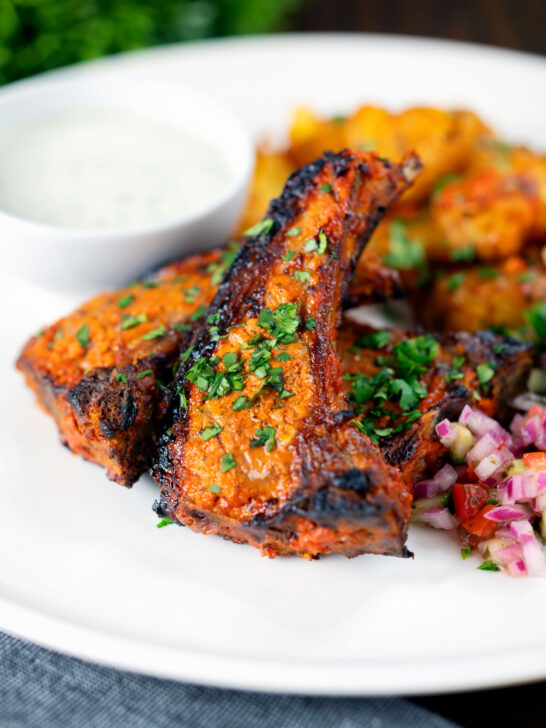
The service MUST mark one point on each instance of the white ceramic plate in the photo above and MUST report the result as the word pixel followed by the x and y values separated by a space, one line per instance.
pixel 83 568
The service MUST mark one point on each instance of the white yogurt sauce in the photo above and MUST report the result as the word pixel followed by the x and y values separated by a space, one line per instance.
pixel 101 168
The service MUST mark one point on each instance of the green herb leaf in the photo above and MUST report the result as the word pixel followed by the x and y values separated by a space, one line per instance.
pixel 227 462
pixel 466 253
pixel 488 566
pixel 120 377
pixel 485 373
pixel 377 340
pixel 466 551
pixel 211 431
pixel 486 272
pixel 455 281
pixel 283 356
pixel 215 488
pixel 260 227
pixel 198 313
pixel 310 245
pixel 124 301
pixel 155 333
pixel 310 324
pixel 289 255
pixel 190 294
pixel 182 327
pixel 325 187
pixel 129 322
pixel 302 275
pixel 405 253
pixel 323 243
pixel 145 373
pixel 293 232
pixel 265 437
pixel 164 522
pixel 151 283
pixel 82 335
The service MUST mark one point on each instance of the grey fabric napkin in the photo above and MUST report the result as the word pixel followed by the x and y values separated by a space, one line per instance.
pixel 43 689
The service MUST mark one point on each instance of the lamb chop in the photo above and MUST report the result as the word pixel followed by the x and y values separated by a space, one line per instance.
pixel 261 448
pixel 99 372
pixel 401 384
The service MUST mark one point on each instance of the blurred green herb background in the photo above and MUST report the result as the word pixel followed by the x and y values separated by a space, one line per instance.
pixel 38 35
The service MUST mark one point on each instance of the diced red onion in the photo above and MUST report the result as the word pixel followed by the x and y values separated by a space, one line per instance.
pixel 516 568
pixel 492 463
pixel 479 423
pixel 508 513
pixel 483 447
pixel 518 487
pixel 504 532
pixel 506 554
pixel 442 481
pixel 439 518
pixel 446 432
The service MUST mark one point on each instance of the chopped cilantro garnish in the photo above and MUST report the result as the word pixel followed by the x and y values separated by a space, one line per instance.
pixel 182 327
pixel 404 253
pixel 447 179
pixel 325 187
pixel 190 294
pixel 455 281
pixel 124 301
pixel 377 340
pixel 261 227
pixel 486 272
pixel 310 245
pixel 536 317
pixel 466 551
pixel 164 522
pixel 488 566
pixel 302 275
pixel 211 431
pixel 241 403
pixel 155 333
pixel 293 232
pixel 454 372
pixel 466 253
pixel 129 322
pixel 485 373
pixel 310 324
pixel 150 283
pixel 476 395
pixel 215 488
pixel 227 462
pixel 282 323
pixel 120 377
pixel 285 394
pixel 198 313
pixel 83 335
pixel 265 437
pixel 398 379
pixel 218 270
pixel 323 242
pixel 283 356
pixel 526 277
pixel 289 255
pixel 145 373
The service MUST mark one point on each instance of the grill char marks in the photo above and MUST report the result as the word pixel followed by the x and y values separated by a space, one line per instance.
pixel 106 394
pixel 286 472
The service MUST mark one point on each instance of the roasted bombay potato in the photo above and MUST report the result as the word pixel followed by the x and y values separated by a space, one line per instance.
pixel 505 297
pixel 444 140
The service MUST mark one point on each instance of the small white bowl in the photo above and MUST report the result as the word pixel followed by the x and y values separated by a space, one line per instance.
pixel 87 260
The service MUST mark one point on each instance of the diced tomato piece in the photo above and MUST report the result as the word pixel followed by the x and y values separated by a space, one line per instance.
pixel 535 460
pixel 469 499
pixel 479 525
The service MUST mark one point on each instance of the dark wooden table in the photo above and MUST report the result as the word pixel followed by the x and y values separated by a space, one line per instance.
pixel 518 24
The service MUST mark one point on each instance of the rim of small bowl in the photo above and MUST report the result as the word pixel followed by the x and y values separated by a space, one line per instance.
pixel 21 91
